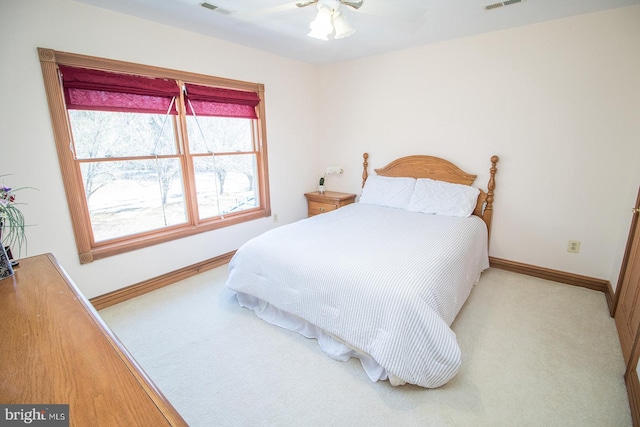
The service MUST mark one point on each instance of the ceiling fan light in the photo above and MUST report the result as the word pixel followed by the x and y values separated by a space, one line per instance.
pixel 321 27
pixel 322 23
pixel 342 26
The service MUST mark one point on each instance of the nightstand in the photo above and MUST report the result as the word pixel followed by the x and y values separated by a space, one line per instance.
pixel 328 201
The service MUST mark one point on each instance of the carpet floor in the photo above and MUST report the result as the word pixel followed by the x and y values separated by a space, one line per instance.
pixel 534 353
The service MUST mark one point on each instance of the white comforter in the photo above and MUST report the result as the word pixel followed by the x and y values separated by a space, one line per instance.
pixel 387 282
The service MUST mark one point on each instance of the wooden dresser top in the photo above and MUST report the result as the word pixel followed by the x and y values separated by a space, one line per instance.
pixel 55 349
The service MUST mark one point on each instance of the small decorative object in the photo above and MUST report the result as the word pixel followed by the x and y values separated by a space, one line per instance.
pixel 331 169
pixel 6 269
pixel 11 228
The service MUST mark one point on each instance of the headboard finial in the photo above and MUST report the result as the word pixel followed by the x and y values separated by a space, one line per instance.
pixel 491 185
pixel 365 166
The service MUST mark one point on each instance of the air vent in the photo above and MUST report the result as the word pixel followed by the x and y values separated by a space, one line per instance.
pixel 493 6
pixel 502 3
pixel 216 8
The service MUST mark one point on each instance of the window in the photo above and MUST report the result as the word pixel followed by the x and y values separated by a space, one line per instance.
pixel 150 155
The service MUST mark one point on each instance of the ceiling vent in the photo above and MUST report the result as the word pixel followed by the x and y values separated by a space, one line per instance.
pixel 216 8
pixel 502 3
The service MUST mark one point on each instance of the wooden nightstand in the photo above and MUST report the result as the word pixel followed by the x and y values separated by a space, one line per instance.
pixel 328 201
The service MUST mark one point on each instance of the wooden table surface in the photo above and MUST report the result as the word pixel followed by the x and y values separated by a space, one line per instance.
pixel 55 349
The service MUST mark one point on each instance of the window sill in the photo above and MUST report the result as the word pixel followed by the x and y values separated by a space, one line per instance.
pixel 105 250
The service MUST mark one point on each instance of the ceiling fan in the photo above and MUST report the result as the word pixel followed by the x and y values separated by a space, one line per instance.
pixel 330 18
pixel 330 13
pixel 353 4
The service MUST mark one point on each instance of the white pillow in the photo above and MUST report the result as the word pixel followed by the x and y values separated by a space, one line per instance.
pixel 388 191
pixel 443 198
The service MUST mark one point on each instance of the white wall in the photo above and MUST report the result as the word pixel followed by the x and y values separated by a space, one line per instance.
pixel 559 102
pixel 28 149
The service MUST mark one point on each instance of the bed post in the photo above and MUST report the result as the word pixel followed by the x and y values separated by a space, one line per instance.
pixel 488 210
pixel 365 165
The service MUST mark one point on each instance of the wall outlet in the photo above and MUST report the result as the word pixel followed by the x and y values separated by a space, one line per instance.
pixel 275 217
pixel 573 246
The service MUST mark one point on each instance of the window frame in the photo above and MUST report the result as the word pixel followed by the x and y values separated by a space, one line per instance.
pixel 88 251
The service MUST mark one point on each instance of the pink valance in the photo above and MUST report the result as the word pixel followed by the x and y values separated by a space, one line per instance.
pixel 220 102
pixel 87 89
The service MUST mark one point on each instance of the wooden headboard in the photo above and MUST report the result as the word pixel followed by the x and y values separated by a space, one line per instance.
pixel 441 170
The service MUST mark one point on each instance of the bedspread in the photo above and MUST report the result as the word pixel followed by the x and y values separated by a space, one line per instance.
pixel 385 281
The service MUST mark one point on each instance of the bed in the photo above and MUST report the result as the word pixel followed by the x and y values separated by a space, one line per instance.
pixel 382 279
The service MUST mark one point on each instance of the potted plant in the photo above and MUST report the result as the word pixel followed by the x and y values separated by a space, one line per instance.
pixel 11 228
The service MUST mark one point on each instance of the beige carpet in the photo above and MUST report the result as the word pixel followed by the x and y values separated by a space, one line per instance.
pixel 535 353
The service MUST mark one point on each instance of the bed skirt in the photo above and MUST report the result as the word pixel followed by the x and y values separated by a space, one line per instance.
pixel 330 345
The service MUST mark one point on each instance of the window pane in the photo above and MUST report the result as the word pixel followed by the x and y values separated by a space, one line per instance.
pixel 226 184
pixel 131 197
pixel 219 134
pixel 103 134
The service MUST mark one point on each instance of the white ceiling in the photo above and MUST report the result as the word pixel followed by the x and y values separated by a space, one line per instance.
pixel 279 27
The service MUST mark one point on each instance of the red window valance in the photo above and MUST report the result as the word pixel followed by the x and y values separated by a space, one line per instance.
pixel 87 89
pixel 220 102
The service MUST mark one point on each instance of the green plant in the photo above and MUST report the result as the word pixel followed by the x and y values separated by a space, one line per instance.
pixel 11 218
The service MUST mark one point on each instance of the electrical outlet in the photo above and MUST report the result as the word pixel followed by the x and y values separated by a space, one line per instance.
pixel 573 246
pixel 275 217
